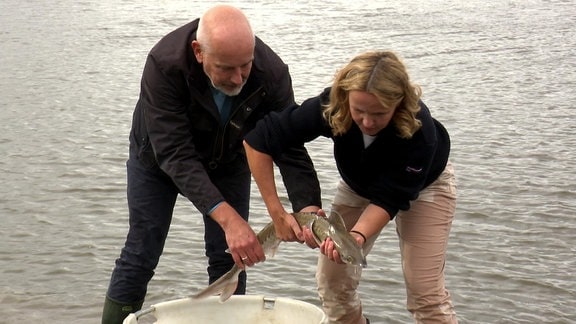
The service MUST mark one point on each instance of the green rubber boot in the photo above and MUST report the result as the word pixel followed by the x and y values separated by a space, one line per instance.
pixel 115 312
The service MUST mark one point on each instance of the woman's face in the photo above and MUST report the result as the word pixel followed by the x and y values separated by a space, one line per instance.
pixel 368 113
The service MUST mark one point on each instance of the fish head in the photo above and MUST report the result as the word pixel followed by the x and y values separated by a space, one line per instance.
pixel 350 252
pixel 333 226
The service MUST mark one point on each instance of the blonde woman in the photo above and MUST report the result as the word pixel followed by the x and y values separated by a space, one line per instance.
pixel 392 157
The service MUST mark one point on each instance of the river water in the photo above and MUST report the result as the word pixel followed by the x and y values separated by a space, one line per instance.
pixel 501 75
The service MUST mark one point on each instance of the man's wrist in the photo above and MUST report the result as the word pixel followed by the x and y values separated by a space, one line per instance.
pixel 209 213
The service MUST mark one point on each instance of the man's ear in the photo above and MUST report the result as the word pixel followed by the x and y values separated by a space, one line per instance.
pixel 197 51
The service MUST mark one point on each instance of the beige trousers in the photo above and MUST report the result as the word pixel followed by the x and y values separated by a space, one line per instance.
pixel 423 232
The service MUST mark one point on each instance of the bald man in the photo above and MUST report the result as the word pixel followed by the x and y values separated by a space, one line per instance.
pixel 204 86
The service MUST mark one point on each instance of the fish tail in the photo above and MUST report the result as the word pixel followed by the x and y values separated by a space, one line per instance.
pixel 228 290
pixel 225 286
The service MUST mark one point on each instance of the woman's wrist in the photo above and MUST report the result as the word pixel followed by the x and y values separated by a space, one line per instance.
pixel 364 239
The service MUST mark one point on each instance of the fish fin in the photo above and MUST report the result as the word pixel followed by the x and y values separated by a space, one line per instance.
pixel 311 227
pixel 336 220
pixel 229 289
pixel 224 286
pixel 274 248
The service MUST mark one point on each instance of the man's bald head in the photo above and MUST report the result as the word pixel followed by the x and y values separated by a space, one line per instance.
pixel 222 26
pixel 224 45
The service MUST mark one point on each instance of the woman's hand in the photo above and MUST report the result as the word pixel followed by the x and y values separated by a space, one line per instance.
pixel 328 248
pixel 287 228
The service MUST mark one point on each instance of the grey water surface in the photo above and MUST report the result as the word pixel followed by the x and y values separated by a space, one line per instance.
pixel 501 75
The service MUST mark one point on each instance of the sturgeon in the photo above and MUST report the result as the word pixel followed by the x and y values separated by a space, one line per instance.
pixel 322 227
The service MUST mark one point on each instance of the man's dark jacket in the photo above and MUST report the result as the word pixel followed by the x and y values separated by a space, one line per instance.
pixel 176 124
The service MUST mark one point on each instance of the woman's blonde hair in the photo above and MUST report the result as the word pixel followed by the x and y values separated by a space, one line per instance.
pixel 383 75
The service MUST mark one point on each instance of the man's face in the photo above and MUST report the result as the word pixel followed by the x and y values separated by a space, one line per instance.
pixel 227 67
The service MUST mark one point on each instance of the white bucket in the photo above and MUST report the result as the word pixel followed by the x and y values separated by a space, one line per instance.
pixel 239 309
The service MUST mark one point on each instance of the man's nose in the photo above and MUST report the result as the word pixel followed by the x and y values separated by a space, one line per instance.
pixel 236 77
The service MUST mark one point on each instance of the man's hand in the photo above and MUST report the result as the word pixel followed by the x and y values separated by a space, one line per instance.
pixel 242 242
pixel 244 245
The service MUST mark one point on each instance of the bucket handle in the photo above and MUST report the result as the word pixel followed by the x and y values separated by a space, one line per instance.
pixel 269 302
